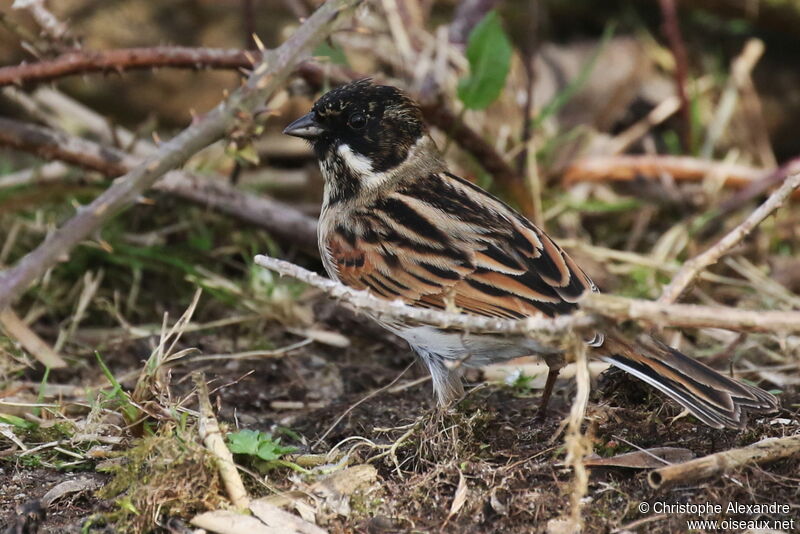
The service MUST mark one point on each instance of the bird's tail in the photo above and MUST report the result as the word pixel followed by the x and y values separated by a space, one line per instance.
pixel 713 398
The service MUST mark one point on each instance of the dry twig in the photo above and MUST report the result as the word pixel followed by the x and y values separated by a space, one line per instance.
pixel 578 446
pixel 753 190
pixel 381 308
pixel 211 435
pixel 610 306
pixel 720 463
pixel 691 315
pixel 266 78
pixel 52 172
pixel 43 17
pixel 691 268
pixel 625 168
pixel 740 74
pixel 36 346
pixel 467 15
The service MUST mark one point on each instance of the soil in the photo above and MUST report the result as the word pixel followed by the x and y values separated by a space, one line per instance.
pixel 511 462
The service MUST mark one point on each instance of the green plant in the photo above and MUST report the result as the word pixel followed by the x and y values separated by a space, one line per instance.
pixel 116 397
pixel 520 383
pixel 17 422
pixel 489 56
pixel 258 444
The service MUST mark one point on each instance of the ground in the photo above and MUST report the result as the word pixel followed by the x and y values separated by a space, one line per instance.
pixel 511 462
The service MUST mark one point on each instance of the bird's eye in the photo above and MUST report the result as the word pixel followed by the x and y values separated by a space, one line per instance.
pixel 357 121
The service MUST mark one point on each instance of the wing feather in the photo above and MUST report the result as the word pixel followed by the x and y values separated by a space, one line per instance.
pixel 413 245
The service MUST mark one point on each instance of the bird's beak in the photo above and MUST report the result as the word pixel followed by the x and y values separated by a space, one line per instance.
pixel 305 127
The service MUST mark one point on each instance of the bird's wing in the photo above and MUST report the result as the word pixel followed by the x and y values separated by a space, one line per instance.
pixel 442 240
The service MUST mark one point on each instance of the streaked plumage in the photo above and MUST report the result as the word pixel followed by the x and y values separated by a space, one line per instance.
pixel 396 222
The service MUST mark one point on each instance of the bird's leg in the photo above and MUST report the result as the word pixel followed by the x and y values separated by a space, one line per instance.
pixel 554 365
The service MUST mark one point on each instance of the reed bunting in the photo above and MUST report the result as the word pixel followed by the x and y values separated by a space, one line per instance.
pixel 394 221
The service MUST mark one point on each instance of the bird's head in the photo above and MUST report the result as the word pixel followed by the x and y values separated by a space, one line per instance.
pixel 364 134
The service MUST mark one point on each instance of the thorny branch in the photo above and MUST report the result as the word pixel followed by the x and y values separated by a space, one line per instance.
pixel 266 78
pixel 88 61
pixel 691 268
pixel 282 219
pixel 436 113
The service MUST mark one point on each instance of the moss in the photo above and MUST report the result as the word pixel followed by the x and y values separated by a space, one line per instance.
pixel 166 473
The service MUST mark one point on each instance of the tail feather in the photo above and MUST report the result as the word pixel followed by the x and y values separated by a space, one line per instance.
pixel 713 398
pixel 447 383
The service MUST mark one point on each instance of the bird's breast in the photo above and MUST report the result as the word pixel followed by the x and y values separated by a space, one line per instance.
pixel 325 229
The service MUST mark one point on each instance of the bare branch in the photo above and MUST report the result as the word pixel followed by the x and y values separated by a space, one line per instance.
pixel 43 17
pixel 30 341
pixel 578 445
pixel 691 315
pixel 54 145
pixel 467 15
pixel 281 219
pixel 691 268
pixel 107 61
pixel 681 168
pixel 396 310
pixel 596 304
pixel 266 78
pixel 767 450
pixel 52 172
pixel 753 190
pixel 741 68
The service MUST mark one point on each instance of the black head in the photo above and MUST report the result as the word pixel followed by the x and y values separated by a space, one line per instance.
pixel 378 122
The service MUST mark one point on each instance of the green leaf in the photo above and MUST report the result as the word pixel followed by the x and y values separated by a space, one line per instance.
pixel 273 450
pixel 334 54
pixel 259 444
pixel 489 56
pixel 18 422
pixel 244 442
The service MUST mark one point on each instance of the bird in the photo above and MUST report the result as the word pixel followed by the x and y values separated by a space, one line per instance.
pixel 396 222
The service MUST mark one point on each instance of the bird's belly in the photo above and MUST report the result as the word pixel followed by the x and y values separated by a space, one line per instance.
pixel 475 350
